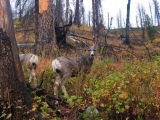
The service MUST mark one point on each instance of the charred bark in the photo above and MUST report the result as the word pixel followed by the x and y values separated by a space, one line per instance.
pixel 77 13
pixel 46 40
pixel 67 11
pixel 127 41
pixel 61 33
pixel 36 21
pixel 97 16
pixel 13 89
pixel 59 13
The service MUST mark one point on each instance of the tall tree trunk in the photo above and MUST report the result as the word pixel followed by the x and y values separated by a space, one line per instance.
pixel 97 16
pixel 93 17
pixel 108 20
pixel 156 11
pixel 89 18
pixel 7 25
pixel 67 11
pixel 137 22
pixel 118 21
pixel 20 10
pixel 59 13
pixel 142 13
pixel 46 30
pixel 150 9
pixel 36 21
pixel 83 14
pixel 77 13
pixel 120 17
pixel 127 41
pixel 12 84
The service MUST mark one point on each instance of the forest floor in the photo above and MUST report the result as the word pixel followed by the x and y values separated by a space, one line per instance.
pixel 124 84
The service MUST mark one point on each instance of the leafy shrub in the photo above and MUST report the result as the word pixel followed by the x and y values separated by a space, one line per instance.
pixel 40 106
pixel 18 23
pixel 157 41
pixel 91 113
pixel 129 91
pixel 48 79
pixel 151 30
pixel 156 59
pixel 126 92
pixel 26 73
pixel 73 101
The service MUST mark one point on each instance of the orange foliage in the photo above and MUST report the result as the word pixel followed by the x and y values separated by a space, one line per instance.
pixel 43 64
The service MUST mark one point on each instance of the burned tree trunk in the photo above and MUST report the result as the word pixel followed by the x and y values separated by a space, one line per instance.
pixel 61 33
pixel 89 18
pixel 67 11
pixel 77 13
pixel 46 40
pixel 127 41
pixel 59 13
pixel 142 15
pixel 36 21
pixel 13 91
pixel 97 16
pixel 156 12
pixel 6 24
pixel 93 17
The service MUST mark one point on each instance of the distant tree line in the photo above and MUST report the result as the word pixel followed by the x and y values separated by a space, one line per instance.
pixel 61 11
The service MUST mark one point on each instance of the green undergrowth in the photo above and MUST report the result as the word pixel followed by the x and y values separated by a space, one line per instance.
pixel 128 90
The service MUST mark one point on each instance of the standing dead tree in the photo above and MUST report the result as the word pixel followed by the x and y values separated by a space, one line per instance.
pixel 89 18
pixel 82 15
pixel 157 11
pixel 79 16
pixel 27 9
pixel 97 16
pixel 59 13
pixel 46 29
pixel 77 13
pixel 142 15
pixel 48 22
pixel 67 11
pixel 151 13
pixel 36 20
pixel 127 41
pixel 13 91
pixel 119 19
pixel 61 33
pixel 6 24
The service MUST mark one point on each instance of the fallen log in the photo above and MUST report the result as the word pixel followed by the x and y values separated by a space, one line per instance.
pixel 83 37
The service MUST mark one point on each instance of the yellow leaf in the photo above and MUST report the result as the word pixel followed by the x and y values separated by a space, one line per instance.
pixel 157 40
pixel 123 95
pixel 149 45
pixel 34 109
